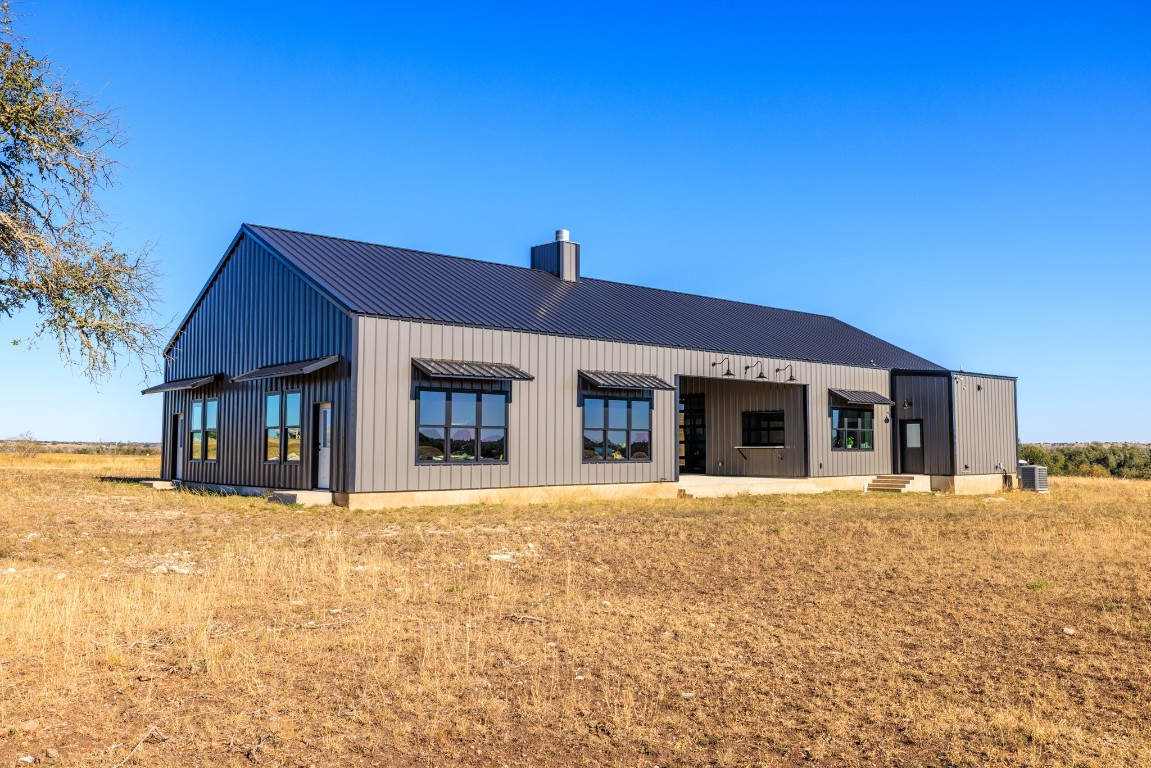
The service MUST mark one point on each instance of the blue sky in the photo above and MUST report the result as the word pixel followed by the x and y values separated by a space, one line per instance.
pixel 971 182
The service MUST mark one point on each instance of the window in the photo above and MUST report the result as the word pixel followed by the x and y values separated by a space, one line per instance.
pixel 283 433
pixel 211 429
pixel 455 425
pixel 203 425
pixel 763 428
pixel 272 427
pixel 616 429
pixel 196 424
pixel 293 429
pixel 852 429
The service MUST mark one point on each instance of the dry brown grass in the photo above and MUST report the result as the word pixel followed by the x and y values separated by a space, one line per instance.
pixel 831 630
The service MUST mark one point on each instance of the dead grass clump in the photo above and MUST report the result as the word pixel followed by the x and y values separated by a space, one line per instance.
pixel 169 628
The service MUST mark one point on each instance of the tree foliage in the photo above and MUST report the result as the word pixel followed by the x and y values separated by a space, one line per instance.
pixel 1129 460
pixel 56 252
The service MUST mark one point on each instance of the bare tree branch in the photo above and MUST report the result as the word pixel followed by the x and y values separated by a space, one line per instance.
pixel 56 252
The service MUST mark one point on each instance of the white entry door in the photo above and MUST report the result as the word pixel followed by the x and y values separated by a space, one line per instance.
pixel 324 446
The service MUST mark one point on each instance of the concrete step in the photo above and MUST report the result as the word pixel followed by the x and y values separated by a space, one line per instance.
pixel 159 485
pixel 305 498
pixel 890 483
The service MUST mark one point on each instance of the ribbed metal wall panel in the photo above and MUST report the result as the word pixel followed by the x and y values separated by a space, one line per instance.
pixel 985 439
pixel 545 426
pixel 825 461
pixel 258 312
pixel 926 398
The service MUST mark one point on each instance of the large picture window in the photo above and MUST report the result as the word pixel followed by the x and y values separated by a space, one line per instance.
pixel 616 429
pixel 852 429
pixel 763 428
pixel 283 430
pixel 455 425
pixel 203 425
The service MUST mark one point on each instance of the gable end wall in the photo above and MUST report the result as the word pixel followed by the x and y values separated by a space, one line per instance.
pixel 258 312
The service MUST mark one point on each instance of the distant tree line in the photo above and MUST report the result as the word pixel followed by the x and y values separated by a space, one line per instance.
pixel 25 444
pixel 1129 460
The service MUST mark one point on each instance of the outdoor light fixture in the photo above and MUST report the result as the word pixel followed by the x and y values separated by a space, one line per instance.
pixel 906 403
pixel 759 375
pixel 721 362
pixel 791 378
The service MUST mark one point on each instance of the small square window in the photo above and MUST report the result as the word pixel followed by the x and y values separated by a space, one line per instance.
pixel 764 428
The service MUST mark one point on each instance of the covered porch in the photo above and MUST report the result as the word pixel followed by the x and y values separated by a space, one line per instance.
pixel 749 426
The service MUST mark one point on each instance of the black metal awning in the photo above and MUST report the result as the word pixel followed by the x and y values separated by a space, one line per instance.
pixel 619 380
pixel 859 397
pixel 461 369
pixel 298 368
pixel 172 386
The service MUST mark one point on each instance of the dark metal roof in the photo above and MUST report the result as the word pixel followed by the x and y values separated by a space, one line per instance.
pixel 384 281
pixel 460 369
pixel 617 380
pixel 859 397
pixel 288 369
pixel 172 386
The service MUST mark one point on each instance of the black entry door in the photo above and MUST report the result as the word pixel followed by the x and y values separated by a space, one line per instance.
pixel 692 444
pixel 911 442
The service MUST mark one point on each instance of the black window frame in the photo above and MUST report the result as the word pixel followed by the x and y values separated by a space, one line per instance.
pixel 647 401
pixel 202 430
pixel 756 436
pixel 447 426
pixel 848 431
pixel 282 426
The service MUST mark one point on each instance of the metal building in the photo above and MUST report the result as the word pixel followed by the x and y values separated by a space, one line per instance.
pixel 386 376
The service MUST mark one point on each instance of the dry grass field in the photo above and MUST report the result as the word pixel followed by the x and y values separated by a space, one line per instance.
pixel 142 627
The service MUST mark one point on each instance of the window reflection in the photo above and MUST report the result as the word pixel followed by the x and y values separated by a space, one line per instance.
pixel 202 429
pixel 461 426
pixel 616 429
pixel 294 444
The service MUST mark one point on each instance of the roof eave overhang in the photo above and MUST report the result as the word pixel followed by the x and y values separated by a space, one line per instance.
pixel 283 370
pixel 173 386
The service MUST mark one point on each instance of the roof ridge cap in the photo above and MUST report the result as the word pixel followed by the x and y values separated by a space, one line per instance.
pixel 529 269
pixel 393 247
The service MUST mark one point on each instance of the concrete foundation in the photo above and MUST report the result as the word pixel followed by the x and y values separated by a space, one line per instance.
pixel 969 485
pixel 304 498
pixel 688 486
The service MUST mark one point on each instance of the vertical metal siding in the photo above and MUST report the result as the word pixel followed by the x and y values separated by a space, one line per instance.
pixel 827 462
pixel 929 398
pixel 985 439
pixel 258 312
pixel 545 424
